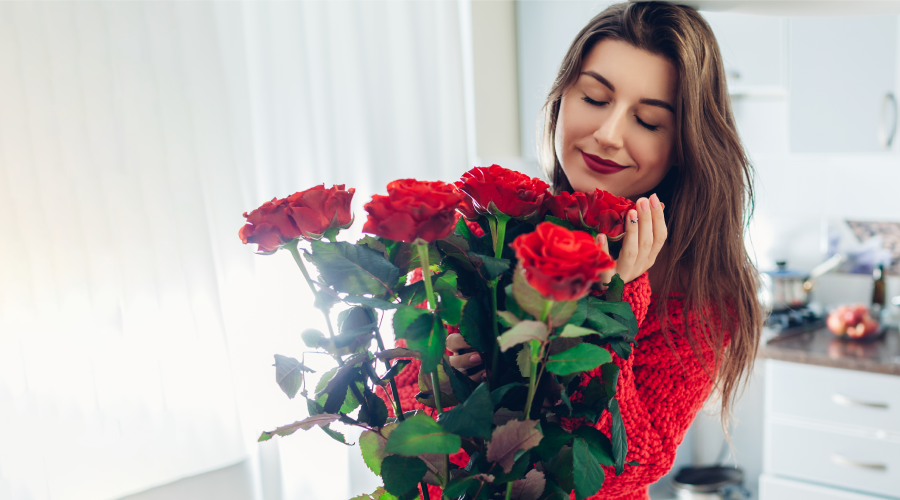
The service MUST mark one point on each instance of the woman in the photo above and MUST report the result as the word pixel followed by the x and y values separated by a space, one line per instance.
pixel 640 108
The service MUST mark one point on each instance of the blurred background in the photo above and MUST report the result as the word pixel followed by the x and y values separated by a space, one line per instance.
pixel 137 333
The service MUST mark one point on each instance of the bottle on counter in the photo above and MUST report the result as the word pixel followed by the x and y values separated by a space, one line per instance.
pixel 878 290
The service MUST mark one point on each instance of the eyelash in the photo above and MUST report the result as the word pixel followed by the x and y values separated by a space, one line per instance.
pixel 599 103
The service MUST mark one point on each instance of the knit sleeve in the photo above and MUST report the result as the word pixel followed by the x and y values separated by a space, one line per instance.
pixel 637 293
pixel 660 390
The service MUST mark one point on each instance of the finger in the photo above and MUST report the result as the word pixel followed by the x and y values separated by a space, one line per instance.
pixel 456 343
pixel 628 254
pixel 605 276
pixel 660 232
pixel 645 231
pixel 465 361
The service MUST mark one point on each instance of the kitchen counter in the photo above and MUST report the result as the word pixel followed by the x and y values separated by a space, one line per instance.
pixel 820 347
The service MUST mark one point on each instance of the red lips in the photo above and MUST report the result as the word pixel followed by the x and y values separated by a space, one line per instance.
pixel 600 165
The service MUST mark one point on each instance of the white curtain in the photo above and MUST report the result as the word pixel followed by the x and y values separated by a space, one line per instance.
pixel 136 332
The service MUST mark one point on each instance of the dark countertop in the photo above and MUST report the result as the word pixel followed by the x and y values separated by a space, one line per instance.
pixel 821 347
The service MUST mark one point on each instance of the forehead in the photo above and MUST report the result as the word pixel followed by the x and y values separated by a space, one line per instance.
pixel 632 71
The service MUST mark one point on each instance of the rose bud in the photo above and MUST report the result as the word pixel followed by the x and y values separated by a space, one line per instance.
pixel 560 264
pixel 413 210
pixel 494 189
pixel 600 211
pixel 269 226
pixel 317 209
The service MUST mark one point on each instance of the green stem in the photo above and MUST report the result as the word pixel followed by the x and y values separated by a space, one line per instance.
pixel 535 347
pixel 432 304
pixel 499 241
pixel 292 247
pixel 398 410
pixel 509 490
pixel 495 356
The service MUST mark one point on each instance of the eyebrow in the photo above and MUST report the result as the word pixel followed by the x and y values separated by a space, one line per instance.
pixel 650 102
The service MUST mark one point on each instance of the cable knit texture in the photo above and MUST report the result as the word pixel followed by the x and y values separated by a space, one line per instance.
pixel 660 390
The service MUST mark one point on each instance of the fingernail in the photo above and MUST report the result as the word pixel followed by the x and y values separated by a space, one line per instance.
pixel 663 205
pixel 475 359
pixel 632 216
pixel 643 204
pixel 654 201
pixel 602 239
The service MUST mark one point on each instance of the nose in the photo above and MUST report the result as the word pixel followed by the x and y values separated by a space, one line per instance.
pixel 609 134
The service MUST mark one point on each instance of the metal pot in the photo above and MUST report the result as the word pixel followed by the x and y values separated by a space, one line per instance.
pixel 784 289
pixel 710 483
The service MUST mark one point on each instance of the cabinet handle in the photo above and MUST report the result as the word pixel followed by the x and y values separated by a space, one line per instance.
pixel 842 460
pixel 842 400
pixel 885 135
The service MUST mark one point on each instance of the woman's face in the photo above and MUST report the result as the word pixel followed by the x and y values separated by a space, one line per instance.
pixel 616 124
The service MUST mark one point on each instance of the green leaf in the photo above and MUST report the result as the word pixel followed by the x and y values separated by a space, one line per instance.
pixel 368 301
pixel 458 486
pixel 510 438
pixel 373 243
pixel 621 348
pixel 337 436
pixel 610 376
pixel 354 269
pixel 561 468
pixel 450 305
pixel 599 321
pixel 621 312
pixel 356 321
pixel 523 361
pixel 289 374
pixel 312 337
pixel 529 488
pixel 374 412
pixel 507 319
pixel 555 437
pixel 405 316
pixel 615 289
pixel 429 338
pixel 489 267
pixel 396 369
pixel 475 326
pixel 581 358
pixel 371 445
pixel 618 437
pixel 580 314
pixel 402 474
pixel 473 418
pixel 420 434
pixel 397 352
pixel 588 473
pixel 523 332
pixel 571 330
pixel 305 424
pixel 435 462
pixel 461 384
pixel 349 401
pixel 561 312
pixel 529 299
pixel 513 306
pixel 498 393
pixel 561 222
pixel 456 247
pixel 598 443
pixel 520 466
pixel 553 492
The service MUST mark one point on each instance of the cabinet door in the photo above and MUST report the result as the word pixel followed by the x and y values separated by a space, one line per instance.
pixel 841 70
pixel 753 50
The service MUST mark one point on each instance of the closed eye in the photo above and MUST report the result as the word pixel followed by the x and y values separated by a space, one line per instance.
pixel 646 125
pixel 593 102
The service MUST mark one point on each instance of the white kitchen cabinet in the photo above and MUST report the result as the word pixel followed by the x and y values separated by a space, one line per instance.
pixel 753 52
pixel 830 430
pixel 842 74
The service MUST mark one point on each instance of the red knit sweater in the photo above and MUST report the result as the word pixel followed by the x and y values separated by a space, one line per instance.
pixel 661 388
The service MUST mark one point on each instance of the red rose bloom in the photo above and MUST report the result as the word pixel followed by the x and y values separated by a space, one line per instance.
pixel 269 226
pixel 560 264
pixel 496 189
pixel 472 225
pixel 413 209
pixel 601 211
pixel 317 209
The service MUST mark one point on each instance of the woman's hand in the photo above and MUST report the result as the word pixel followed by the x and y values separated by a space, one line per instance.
pixel 645 233
pixel 464 358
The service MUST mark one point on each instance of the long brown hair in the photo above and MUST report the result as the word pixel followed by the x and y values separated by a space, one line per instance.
pixel 708 193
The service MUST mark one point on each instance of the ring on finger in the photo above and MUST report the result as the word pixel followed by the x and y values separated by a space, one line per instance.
pixel 475 369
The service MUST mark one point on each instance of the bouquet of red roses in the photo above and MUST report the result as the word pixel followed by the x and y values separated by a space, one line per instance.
pixel 515 275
